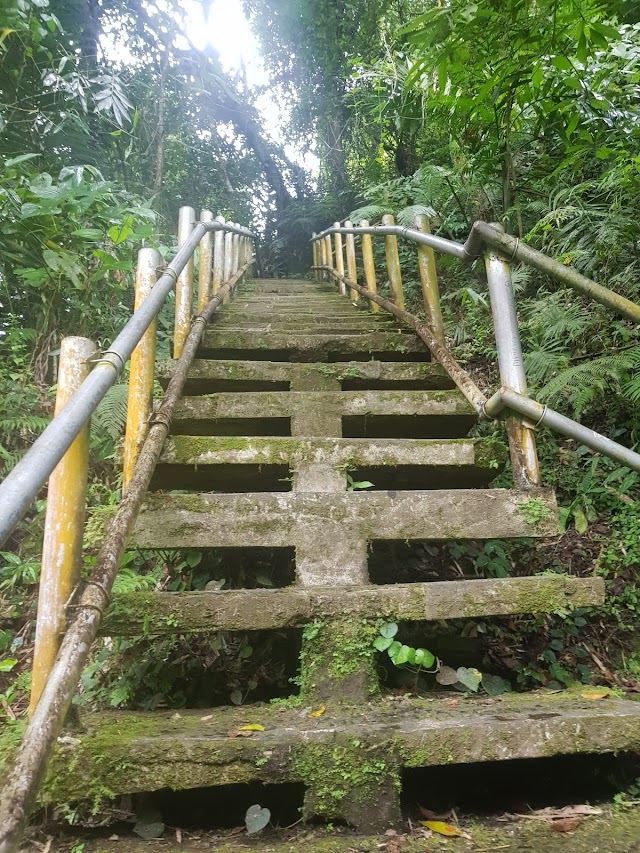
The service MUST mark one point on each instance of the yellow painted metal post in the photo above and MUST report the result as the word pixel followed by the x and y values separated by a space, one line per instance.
pixel 314 252
pixel 337 240
pixel 218 258
pixel 328 254
pixel 369 266
pixel 322 251
pixel 186 221
pixel 141 370
pixel 228 259
pixel 64 522
pixel 204 263
pixel 352 269
pixel 429 280
pixel 393 264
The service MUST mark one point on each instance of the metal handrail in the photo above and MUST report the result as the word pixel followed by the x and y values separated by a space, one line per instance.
pixel 20 487
pixel 485 233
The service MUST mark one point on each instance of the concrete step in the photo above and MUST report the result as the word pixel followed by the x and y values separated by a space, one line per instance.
pixel 267 323
pixel 321 526
pixel 208 376
pixel 165 613
pixel 357 414
pixel 230 464
pixel 396 345
pixel 128 752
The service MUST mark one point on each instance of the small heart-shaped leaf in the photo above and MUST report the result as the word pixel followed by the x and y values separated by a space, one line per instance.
pixel 388 629
pixel 495 685
pixel 470 677
pixel 256 818
pixel 447 676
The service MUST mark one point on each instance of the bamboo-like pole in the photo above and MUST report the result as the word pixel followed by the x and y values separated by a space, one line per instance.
pixel 64 522
pixel 352 269
pixel 184 285
pixel 22 777
pixel 204 262
pixel 218 258
pixel 141 370
pixel 322 252
pixel 339 267
pixel 429 280
pixel 328 254
pixel 369 266
pixel 227 268
pixel 315 260
pixel 393 264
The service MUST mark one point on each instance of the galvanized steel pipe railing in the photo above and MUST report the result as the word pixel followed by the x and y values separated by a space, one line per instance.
pixel 22 484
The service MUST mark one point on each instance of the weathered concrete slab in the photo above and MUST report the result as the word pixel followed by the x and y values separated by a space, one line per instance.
pixel 389 346
pixel 308 519
pixel 161 613
pixel 312 376
pixel 294 404
pixel 127 752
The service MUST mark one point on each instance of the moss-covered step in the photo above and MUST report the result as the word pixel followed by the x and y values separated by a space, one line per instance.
pixel 278 285
pixel 320 522
pixel 394 345
pixel 207 376
pixel 161 613
pixel 303 324
pixel 215 463
pixel 125 752
pixel 402 414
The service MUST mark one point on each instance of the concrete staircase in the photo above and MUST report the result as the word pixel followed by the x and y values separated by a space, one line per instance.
pixel 295 390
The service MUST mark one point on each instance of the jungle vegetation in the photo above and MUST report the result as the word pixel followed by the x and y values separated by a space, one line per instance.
pixel 525 112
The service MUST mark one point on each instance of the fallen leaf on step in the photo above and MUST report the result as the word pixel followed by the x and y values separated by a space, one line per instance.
pixel 442 828
pixel 550 814
pixel 176 716
pixel 429 815
pixel 246 731
pixel 453 703
pixel 566 824
pixel 252 727
pixel 318 713
pixel 595 694
pixel 208 717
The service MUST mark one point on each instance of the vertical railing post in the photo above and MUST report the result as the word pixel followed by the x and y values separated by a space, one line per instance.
pixel 228 259
pixel 337 240
pixel 393 263
pixel 204 263
pixel 369 266
pixel 322 254
pixel 328 255
pixel 64 522
pixel 141 370
pixel 429 281
pixel 352 269
pixel 235 266
pixel 522 443
pixel 314 255
pixel 184 285
pixel 218 258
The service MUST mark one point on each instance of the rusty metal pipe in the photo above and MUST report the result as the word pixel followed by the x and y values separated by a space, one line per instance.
pixel 457 373
pixel 27 768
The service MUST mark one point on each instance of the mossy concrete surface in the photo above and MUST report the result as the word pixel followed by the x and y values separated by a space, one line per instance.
pixel 125 752
pixel 309 375
pixel 615 831
pixel 162 613
pixel 306 520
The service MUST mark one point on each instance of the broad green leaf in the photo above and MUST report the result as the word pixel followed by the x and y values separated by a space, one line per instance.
pixel 446 676
pixel 470 677
pixel 580 520
pixel 494 685
pixel 256 818
pixel 7 664
pixel 382 643
pixel 402 655
pixel 423 657
pixel 21 159
pixel 388 629
pixel 562 63
pixel 88 233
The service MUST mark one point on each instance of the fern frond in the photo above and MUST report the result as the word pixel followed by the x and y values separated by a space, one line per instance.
pixel 407 216
pixel 371 212
pixel 111 414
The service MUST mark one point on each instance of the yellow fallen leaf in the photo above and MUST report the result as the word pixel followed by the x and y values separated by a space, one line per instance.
pixel 594 694
pixel 318 713
pixel 251 727
pixel 442 828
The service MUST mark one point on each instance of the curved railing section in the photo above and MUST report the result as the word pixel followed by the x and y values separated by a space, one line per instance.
pixel 498 250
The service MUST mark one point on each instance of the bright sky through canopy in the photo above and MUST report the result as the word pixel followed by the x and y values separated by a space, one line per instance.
pixel 221 24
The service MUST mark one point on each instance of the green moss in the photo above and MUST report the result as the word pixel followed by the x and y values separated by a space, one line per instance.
pixel 337 660
pixel 534 510
pixel 347 770
pixel 10 737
